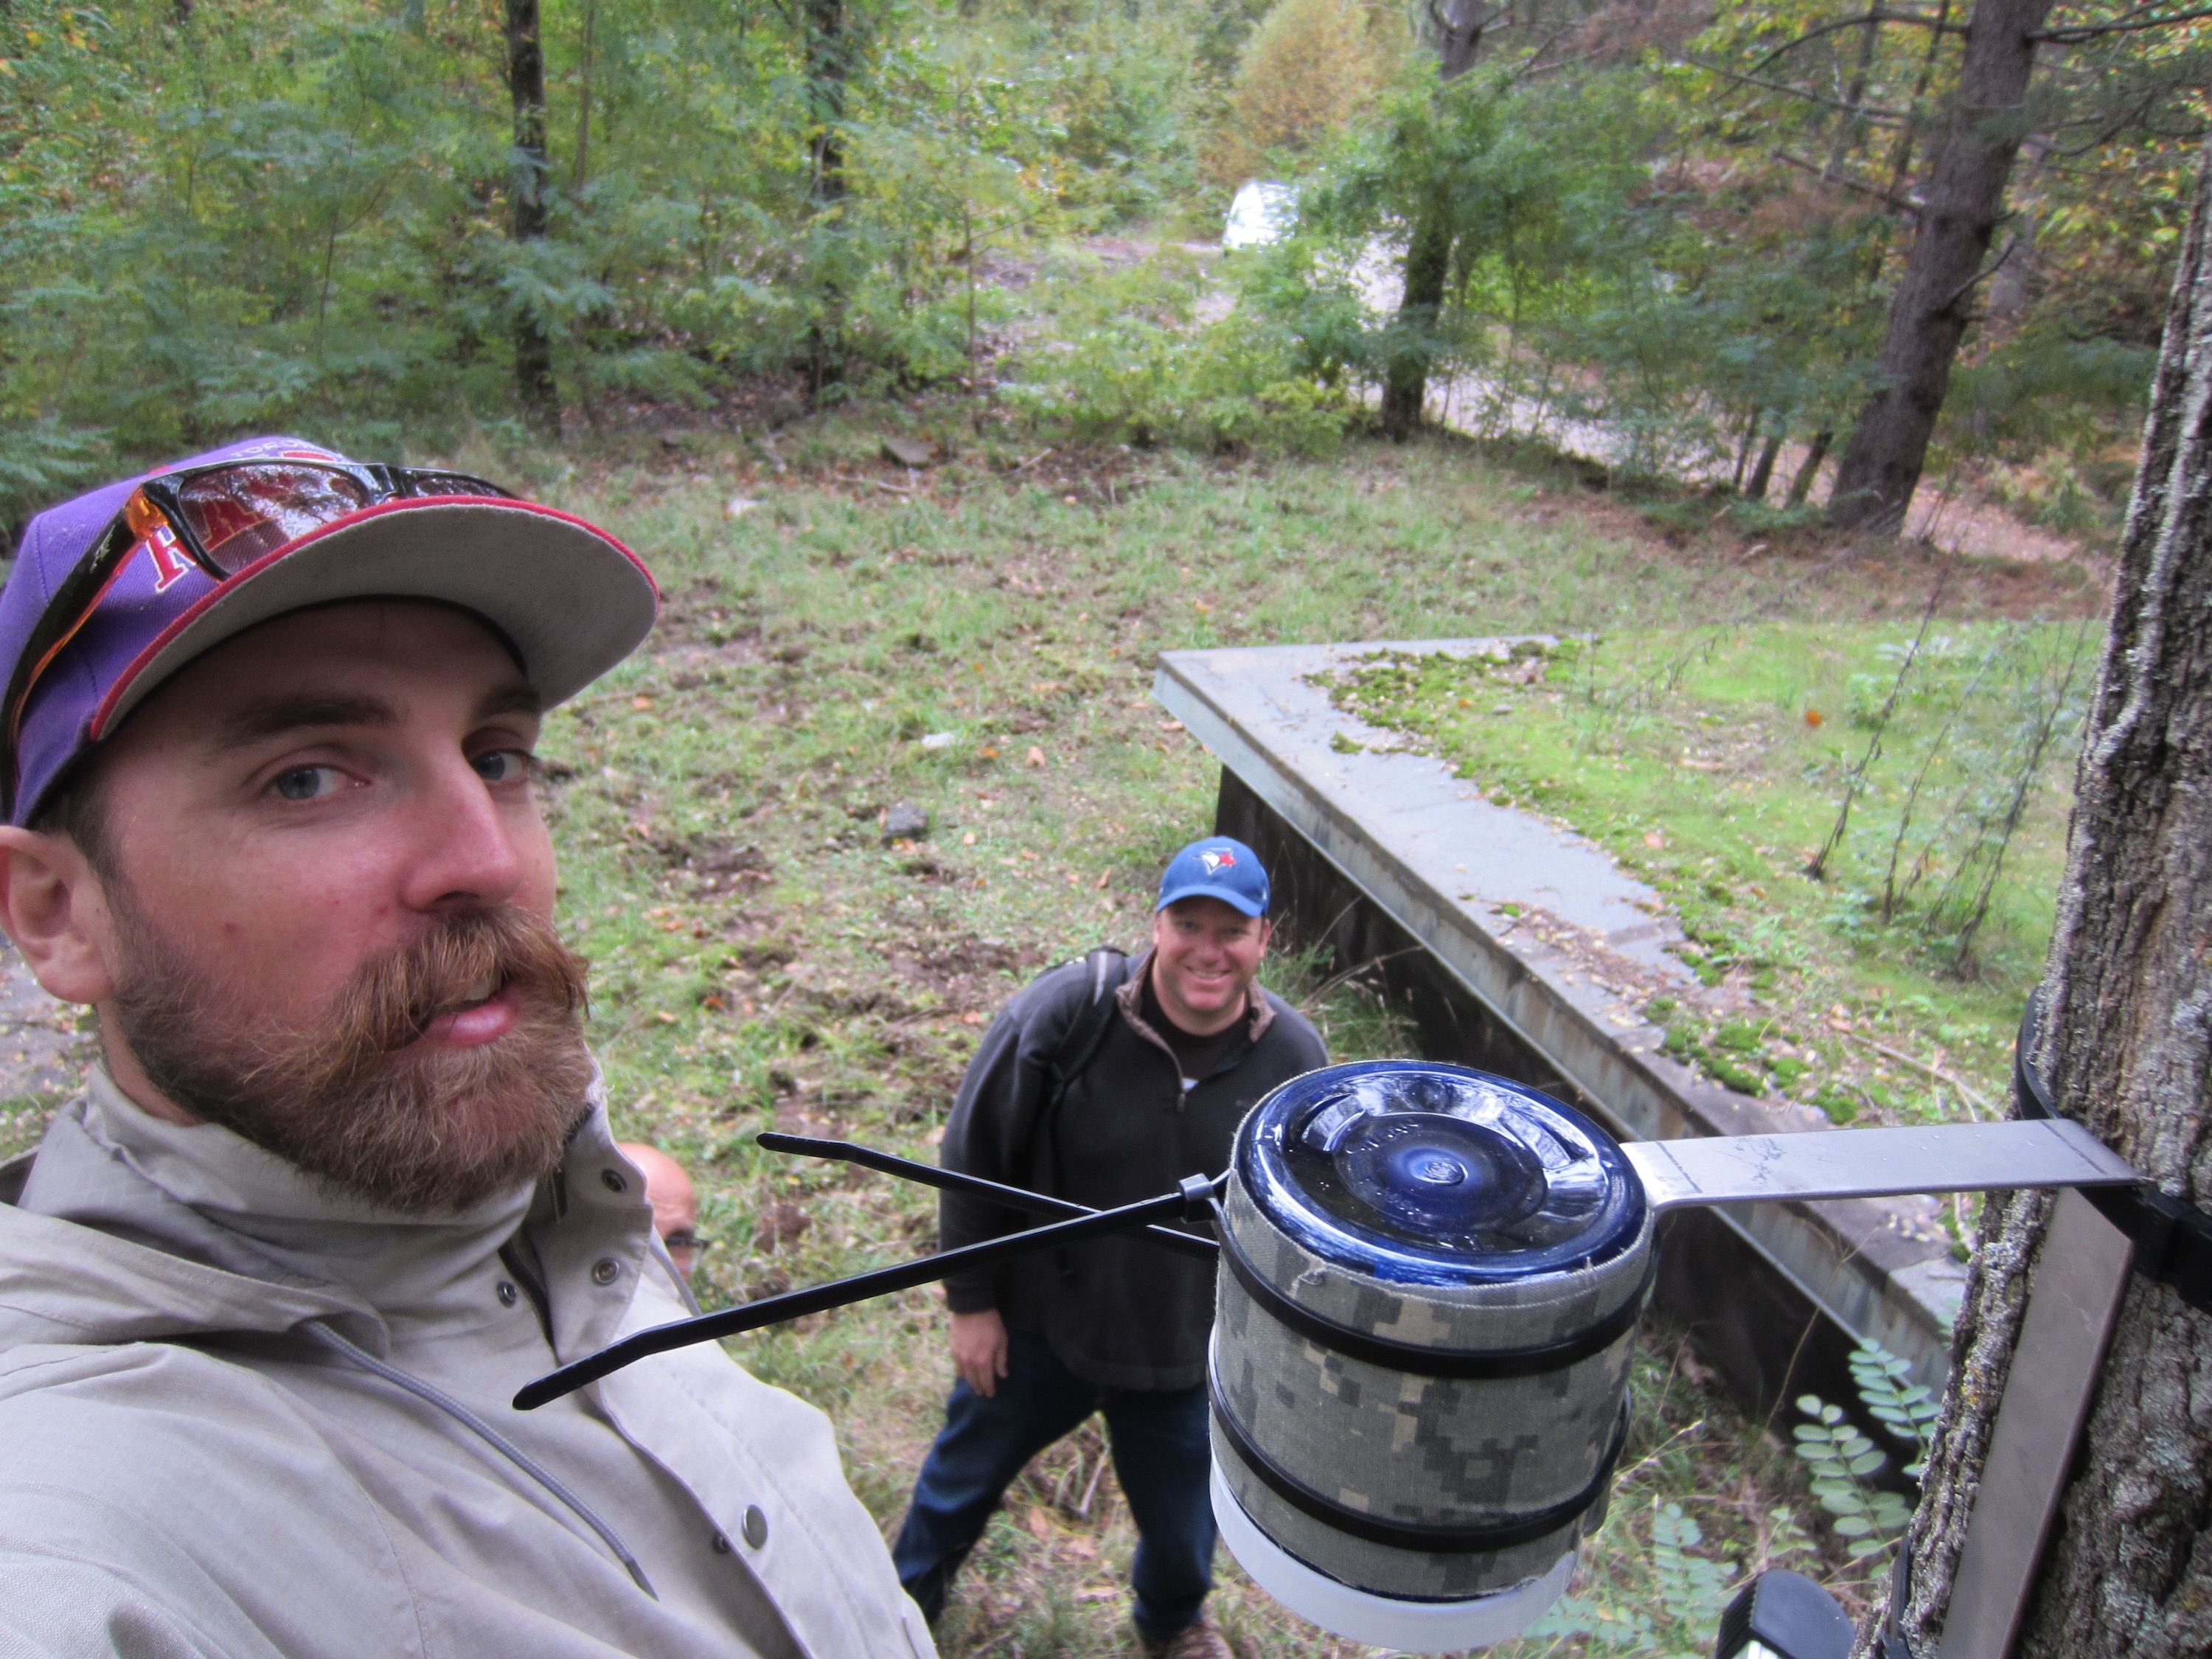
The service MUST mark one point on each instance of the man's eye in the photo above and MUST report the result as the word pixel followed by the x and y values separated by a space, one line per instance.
pixel 304 782
pixel 503 766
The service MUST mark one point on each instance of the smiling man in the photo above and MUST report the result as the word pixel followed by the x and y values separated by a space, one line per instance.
pixel 341 1180
pixel 1106 1081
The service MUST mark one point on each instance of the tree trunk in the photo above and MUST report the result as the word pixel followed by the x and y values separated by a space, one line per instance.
pixel 829 70
pixel 1964 201
pixel 1458 26
pixel 1762 471
pixel 1428 268
pixel 1809 470
pixel 582 173
pixel 2128 1051
pixel 534 388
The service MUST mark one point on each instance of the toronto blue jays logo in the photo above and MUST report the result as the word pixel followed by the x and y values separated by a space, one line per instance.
pixel 1216 862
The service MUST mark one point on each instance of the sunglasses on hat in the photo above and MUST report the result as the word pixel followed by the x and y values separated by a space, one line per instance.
pixel 218 519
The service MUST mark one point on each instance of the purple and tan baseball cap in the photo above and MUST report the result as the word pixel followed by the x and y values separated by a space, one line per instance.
pixel 569 599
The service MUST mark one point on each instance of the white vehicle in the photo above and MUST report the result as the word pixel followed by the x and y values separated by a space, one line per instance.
pixel 1264 212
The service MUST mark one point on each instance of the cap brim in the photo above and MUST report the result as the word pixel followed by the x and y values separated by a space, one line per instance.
pixel 571 599
pixel 1235 900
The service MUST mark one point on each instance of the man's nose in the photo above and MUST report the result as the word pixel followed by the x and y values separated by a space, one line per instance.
pixel 463 846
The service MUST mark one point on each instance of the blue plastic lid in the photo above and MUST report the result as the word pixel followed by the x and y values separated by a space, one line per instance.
pixel 1423 1172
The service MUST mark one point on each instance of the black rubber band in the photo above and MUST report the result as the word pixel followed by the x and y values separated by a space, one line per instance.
pixel 1492 1364
pixel 1411 1534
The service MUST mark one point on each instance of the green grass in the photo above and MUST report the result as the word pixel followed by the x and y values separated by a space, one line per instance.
pixel 762 958
pixel 1714 762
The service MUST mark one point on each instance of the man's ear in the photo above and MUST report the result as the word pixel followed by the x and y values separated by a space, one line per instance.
pixel 1266 930
pixel 51 905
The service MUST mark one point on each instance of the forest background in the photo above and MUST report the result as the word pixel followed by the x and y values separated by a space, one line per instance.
pixel 1681 225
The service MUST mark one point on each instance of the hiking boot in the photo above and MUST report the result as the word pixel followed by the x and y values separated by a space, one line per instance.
pixel 1200 1641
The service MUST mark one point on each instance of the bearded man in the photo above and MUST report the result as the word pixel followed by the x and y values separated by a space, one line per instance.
pixel 341 1180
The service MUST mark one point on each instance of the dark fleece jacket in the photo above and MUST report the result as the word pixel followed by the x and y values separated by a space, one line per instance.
pixel 1120 1311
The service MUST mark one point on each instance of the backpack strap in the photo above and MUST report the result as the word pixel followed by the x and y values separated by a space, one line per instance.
pixel 1109 970
pixel 1078 1047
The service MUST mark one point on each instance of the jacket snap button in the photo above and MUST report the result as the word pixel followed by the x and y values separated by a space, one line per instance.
pixel 615 1182
pixel 506 1294
pixel 756 1525
pixel 721 1543
pixel 606 1271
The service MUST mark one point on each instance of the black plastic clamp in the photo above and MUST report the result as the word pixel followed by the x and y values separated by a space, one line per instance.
pixel 2173 1237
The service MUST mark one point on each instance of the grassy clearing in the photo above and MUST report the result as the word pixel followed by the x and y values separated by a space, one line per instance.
pixel 764 958
pixel 1715 761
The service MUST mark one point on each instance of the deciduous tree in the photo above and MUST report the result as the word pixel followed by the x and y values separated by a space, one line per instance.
pixel 2128 1051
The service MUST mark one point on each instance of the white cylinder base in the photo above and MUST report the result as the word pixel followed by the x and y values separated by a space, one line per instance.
pixel 1381 1620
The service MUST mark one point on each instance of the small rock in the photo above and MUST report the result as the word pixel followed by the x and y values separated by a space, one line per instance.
pixel 909 451
pixel 672 439
pixel 938 740
pixel 737 506
pixel 904 821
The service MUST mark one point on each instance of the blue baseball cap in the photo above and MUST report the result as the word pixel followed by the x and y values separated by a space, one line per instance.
pixel 1219 868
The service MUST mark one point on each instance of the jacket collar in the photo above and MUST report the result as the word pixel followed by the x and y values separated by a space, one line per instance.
pixel 195 1226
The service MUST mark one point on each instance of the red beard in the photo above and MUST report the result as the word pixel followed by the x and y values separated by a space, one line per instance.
pixel 430 1130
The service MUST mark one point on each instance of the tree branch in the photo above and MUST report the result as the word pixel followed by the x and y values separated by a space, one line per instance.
pixel 1877 15
pixel 2072 34
pixel 1869 111
pixel 1902 203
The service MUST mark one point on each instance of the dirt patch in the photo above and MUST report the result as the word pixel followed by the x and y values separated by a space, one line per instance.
pixel 966 973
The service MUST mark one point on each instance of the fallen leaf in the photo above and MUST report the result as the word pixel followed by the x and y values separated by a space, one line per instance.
pixel 1170 725
pixel 664 1017
pixel 1653 838
pixel 1201 607
pixel 1105 877
pixel 1084 1548
pixel 1038 1523
pixel 1814 717
pixel 989 751
pixel 641 701
pixel 1034 758
pixel 971 1018
pixel 968 840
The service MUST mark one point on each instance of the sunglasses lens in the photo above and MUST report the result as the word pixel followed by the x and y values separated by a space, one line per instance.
pixel 240 513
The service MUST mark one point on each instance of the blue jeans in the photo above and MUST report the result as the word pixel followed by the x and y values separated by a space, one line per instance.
pixel 1160 1455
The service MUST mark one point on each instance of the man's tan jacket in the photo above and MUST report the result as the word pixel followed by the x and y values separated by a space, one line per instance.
pixel 238 1416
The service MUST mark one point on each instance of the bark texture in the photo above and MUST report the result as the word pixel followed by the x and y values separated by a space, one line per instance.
pixel 1457 26
pixel 2128 1051
pixel 534 387
pixel 1964 200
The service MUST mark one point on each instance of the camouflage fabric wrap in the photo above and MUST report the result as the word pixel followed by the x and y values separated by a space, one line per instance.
pixel 1413 1449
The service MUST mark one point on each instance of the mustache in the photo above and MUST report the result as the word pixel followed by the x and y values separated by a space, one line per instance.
pixel 392 1000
